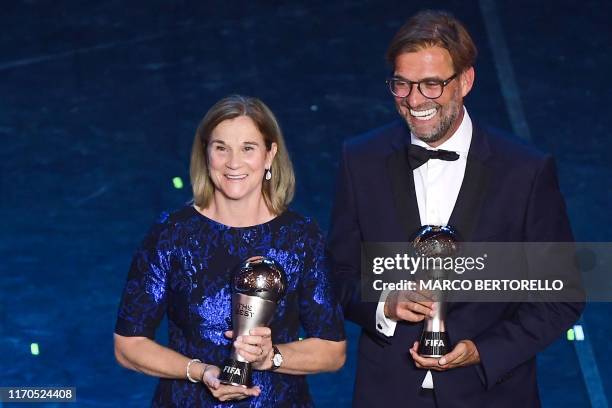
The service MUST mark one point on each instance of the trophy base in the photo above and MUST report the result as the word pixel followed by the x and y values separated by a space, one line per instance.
pixel 236 373
pixel 433 344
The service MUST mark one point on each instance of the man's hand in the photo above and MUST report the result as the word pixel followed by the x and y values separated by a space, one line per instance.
pixel 464 354
pixel 412 306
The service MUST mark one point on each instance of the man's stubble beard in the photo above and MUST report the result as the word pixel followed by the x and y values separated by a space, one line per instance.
pixel 446 122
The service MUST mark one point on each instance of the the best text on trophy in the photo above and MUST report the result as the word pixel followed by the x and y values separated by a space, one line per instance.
pixel 258 285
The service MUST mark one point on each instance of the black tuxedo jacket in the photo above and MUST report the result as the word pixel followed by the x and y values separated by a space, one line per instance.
pixel 509 193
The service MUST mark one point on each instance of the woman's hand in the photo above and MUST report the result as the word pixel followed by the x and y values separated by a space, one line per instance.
pixel 256 347
pixel 223 392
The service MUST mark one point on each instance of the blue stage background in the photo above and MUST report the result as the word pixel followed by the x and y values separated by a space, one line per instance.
pixel 99 101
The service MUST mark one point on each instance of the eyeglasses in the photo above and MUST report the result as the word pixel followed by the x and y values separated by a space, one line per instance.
pixel 429 88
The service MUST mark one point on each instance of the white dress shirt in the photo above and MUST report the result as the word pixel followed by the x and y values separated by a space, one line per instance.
pixel 437 184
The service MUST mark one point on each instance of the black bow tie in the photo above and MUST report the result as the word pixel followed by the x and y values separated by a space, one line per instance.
pixel 417 155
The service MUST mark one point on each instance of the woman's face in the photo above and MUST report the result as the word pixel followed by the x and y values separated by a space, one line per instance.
pixel 237 158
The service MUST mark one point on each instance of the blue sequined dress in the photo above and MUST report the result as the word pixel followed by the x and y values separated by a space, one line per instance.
pixel 183 269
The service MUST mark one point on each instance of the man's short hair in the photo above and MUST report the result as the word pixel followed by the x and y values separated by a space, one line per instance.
pixel 431 28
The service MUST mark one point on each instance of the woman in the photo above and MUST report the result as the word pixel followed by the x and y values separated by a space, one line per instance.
pixel 242 182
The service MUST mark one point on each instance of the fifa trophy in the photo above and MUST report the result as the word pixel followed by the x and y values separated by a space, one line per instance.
pixel 257 286
pixel 435 242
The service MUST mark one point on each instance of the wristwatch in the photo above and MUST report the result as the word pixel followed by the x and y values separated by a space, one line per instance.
pixel 277 358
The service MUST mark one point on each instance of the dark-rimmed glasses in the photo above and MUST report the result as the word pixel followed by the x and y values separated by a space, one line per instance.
pixel 429 88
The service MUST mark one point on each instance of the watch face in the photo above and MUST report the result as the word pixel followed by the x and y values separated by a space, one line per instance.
pixel 277 360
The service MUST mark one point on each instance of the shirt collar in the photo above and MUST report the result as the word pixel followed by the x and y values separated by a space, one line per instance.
pixel 460 140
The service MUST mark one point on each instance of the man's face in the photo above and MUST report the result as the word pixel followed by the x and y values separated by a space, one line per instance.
pixel 432 120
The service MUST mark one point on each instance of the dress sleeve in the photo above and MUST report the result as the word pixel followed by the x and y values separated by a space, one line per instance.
pixel 143 303
pixel 320 313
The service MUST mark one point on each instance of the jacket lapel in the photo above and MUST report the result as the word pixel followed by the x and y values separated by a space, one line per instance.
pixel 473 188
pixel 402 184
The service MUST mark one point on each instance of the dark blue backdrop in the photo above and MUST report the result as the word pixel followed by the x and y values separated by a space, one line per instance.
pixel 99 101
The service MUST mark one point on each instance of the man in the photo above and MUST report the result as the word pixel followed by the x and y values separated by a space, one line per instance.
pixel 489 188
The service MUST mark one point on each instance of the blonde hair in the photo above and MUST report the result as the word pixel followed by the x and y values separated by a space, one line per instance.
pixel 278 191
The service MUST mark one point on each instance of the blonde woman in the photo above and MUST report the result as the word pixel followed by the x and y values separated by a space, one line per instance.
pixel 242 181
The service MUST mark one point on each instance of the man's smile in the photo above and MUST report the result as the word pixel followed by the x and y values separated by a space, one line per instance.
pixel 423 114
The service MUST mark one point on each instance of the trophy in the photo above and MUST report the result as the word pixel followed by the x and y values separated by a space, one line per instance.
pixel 435 242
pixel 257 286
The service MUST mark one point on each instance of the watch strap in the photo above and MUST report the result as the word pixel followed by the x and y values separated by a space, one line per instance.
pixel 276 352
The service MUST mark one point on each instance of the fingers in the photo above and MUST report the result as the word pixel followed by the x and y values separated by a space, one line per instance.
pixel 463 354
pixel 231 392
pixel 261 331
pixel 249 352
pixel 455 357
pixel 229 395
pixel 224 392
pixel 412 306
pixel 256 346
pixel 414 312
pixel 425 362
pixel 417 296
pixel 229 334
pixel 251 340
pixel 259 336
